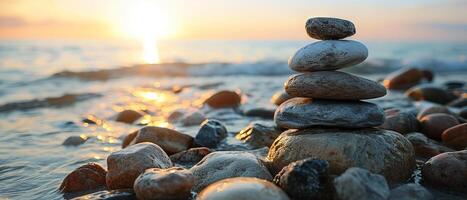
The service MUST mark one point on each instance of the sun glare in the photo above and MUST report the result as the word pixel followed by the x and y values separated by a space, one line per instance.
pixel 147 22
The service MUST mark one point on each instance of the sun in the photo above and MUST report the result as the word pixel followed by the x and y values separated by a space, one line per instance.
pixel 147 22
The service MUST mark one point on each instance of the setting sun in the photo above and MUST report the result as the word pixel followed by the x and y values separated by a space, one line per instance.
pixel 146 22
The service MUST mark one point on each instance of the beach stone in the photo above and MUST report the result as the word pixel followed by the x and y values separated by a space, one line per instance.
pixel 447 171
pixel 245 188
pixel 211 133
pixel 433 110
pixel 223 99
pixel 430 93
pixel 168 184
pixel 327 28
pixel 380 151
pixel 305 179
pixel 280 97
pixel 328 55
pixel 128 116
pixel 75 140
pixel 402 122
pixel 300 113
pixel 125 165
pixel 433 125
pixel 410 191
pixel 426 147
pixel 190 157
pixel 171 141
pixel 227 164
pixel 360 184
pixel 193 118
pixel 333 85
pixel 456 136
pixel 260 112
pixel 176 115
pixel 406 78
pixel 122 194
pixel 87 177
pixel 258 135
pixel 91 119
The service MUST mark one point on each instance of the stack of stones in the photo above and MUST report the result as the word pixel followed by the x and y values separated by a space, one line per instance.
pixel 327 118
pixel 328 97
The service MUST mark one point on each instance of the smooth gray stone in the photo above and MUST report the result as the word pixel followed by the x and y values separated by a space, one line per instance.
pixel 328 55
pixel 333 85
pixel 360 184
pixel 328 28
pixel 300 113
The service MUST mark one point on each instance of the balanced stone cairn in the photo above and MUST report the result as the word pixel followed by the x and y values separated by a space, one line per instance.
pixel 326 117
pixel 328 97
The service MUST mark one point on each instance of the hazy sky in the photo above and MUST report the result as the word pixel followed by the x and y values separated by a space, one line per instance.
pixel 230 19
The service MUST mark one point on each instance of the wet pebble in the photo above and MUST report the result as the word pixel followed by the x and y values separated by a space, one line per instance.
pixel 122 194
pixel 300 113
pixel 90 176
pixel 190 157
pixel 447 171
pixel 193 118
pixel 327 28
pixel 223 99
pixel 210 133
pixel 328 55
pixel 259 135
pixel 433 110
pixel 171 141
pixel 410 191
pixel 426 147
pixel 402 122
pixel 430 93
pixel 227 164
pixel 280 97
pixel 125 165
pixel 360 184
pixel 333 85
pixel 380 151
pixel 305 179
pixel 460 102
pixel 245 188
pixel 456 136
pixel 128 116
pixel 172 183
pixel 406 78
pixel 434 125
pixel 75 140
pixel 264 113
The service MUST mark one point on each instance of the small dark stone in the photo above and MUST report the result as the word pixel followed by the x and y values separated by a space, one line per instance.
pixel 459 103
pixel 305 179
pixel 75 140
pixel 327 28
pixel 430 93
pixel 280 97
pixel 124 194
pixel 189 157
pixel 454 84
pixel 259 135
pixel 224 99
pixel 210 133
pixel 260 112
pixel 401 122
pixel 128 116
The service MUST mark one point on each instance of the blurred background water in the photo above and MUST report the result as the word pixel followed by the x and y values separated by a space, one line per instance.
pixel 102 78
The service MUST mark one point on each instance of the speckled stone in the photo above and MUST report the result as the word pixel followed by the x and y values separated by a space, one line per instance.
pixel 333 85
pixel 328 55
pixel 299 113
pixel 327 28
pixel 380 151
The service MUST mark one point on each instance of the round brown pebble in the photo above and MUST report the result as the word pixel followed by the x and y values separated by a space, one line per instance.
pixel 434 125
pixel 87 177
pixel 456 136
pixel 433 110
pixel 223 99
pixel 128 116
pixel 447 171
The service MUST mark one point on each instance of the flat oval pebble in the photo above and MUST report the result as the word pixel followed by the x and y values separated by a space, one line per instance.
pixel 328 55
pixel 333 85
pixel 299 113
pixel 244 188
pixel 328 28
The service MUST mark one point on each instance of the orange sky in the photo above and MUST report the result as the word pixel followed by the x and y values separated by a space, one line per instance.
pixel 233 19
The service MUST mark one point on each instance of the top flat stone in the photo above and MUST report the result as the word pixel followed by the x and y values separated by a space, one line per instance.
pixel 327 28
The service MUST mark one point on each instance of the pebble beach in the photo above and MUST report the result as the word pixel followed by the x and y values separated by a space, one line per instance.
pixel 321 126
